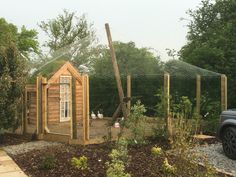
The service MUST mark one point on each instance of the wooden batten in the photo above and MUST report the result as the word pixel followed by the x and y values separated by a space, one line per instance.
pixel 37 105
pixel 74 119
pixel 167 104
pixel 24 117
pixel 198 94
pixel 85 108
pixel 128 94
pixel 66 67
pixel 223 92
pixel 45 107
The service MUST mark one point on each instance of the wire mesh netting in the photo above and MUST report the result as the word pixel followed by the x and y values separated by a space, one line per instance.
pixel 147 83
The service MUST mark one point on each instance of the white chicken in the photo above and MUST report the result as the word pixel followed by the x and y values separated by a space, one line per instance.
pixel 99 115
pixel 93 116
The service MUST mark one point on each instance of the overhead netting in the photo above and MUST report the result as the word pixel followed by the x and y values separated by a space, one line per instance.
pixel 147 85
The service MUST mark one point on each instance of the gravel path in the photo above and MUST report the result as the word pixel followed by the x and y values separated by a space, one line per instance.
pixel 26 147
pixel 216 157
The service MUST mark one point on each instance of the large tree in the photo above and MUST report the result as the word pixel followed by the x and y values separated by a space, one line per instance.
pixel 15 47
pixel 72 36
pixel 131 60
pixel 212 40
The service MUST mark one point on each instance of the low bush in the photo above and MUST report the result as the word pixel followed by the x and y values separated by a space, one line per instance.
pixel 81 163
pixel 48 162
pixel 136 122
pixel 119 160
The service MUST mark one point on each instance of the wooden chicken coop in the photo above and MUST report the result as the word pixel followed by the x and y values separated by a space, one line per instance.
pixel 57 99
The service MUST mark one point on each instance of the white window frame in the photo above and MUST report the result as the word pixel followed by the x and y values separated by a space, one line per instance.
pixel 65 90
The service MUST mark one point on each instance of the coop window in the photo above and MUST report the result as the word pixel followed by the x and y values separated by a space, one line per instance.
pixel 65 98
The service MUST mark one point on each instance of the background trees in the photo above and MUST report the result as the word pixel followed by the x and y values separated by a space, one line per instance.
pixel 212 40
pixel 15 47
pixel 72 36
pixel 131 60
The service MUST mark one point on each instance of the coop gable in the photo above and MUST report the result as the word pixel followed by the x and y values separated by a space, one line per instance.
pixel 66 69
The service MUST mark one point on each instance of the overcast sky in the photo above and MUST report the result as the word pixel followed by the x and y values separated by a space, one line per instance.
pixel 149 23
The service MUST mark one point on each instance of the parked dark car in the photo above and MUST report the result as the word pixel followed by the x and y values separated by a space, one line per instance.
pixel 227 132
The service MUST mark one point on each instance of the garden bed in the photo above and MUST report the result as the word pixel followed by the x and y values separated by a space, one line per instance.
pixel 13 139
pixel 143 163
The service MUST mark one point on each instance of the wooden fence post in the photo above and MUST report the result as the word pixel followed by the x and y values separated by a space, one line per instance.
pixel 24 112
pixel 39 106
pixel 167 104
pixel 128 94
pixel 74 119
pixel 223 92
pixel 198 94
pixel 85 108
pixel 44 104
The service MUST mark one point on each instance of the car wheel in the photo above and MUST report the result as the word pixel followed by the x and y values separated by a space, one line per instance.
pixel 229 142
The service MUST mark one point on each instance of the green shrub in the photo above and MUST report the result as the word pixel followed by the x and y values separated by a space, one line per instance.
pixel 48 162
pixel 119 159
pixel 136 122
pixel 122 151
pixel 81 163
pixel 116 169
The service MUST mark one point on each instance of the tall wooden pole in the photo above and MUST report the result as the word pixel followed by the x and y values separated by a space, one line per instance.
pixel 167 104
pixel 128 93
pixel 40 107
pixel 44 104
pixel 223 92
pixel 85 108
pixel 74 119
pixel 24 118
pixel 116 71
pixel 198 94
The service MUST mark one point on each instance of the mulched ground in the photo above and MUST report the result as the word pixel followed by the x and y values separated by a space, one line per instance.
pixel 13 139
pixel 143 163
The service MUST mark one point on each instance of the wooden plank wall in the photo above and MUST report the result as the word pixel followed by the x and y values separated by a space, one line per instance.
pixel 79 102
pixel 53 104
pixel 31 104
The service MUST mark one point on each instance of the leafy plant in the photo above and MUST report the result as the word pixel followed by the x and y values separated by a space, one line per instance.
pixel 210 111
pixel 48 162
pixel 136 121
pixel 116 169
pixel 167 168
pixel 81 163
pixel 157 151
pixel 119 159
pixel 184 127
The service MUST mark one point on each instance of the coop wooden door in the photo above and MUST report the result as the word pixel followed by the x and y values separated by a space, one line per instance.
pixel 65 98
